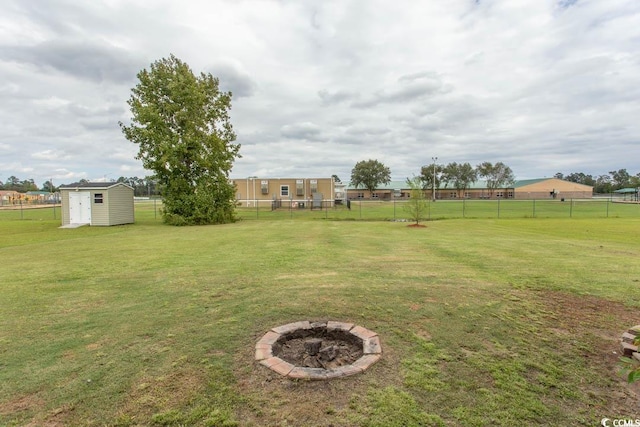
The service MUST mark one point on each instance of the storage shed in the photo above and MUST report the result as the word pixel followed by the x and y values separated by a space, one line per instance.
pixel 97 203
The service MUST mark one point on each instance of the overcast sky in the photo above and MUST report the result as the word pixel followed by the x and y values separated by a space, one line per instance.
pixel 544 86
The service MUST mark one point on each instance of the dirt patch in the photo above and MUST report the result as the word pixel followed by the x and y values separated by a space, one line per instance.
pixel 149 395
pixel 414 225
pixel 20 404
pixel 319 348
pixel 591 327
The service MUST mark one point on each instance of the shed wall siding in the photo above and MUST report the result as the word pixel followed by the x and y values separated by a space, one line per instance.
pixel 121 210
pixel 64 202
pixel 100 211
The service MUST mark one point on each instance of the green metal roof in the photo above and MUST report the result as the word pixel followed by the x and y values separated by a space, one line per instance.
pixel 523 182
pixel 627 191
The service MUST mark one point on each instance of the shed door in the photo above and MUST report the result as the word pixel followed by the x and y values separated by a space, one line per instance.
pixel 79 207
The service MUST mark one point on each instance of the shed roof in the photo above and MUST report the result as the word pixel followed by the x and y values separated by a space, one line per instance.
pixel 94 185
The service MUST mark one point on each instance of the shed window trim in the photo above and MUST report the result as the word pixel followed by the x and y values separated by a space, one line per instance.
pixel 284 191
pixel 98 198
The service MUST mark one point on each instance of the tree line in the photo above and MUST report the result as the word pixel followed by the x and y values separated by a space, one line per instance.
pixel 606 183
pixel 147 186
pixel 369 174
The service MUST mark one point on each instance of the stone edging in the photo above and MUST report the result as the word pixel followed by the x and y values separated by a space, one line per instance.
pixel 626 343
pixel 371 349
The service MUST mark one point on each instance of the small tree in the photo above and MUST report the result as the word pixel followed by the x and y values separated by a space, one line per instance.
pixel 182 127
pixel 370 174
pixel 417 206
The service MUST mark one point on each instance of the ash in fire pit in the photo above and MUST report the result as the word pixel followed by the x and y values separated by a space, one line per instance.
pixel 318 351
pixel 319 348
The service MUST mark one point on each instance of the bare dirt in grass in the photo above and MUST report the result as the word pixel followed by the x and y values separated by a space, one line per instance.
pixel 592 327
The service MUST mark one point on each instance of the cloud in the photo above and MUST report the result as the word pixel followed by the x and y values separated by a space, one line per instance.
pixel 306 130
pixel 544 86
pixel 408 88
pixel 83 59
pixel 337 97
pixel 234 78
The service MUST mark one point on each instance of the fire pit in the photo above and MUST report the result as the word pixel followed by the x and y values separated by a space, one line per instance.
pixel 318 350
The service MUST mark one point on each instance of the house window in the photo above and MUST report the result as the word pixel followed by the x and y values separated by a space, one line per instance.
pixel 467 195
pixel 360 195
pixel 374 195
pixel 264 185
pixel 97 198
pixel 299 187
pixel 499 194
pixel 284 191
pixel 314 185
pixel 510 194
pixel 453 195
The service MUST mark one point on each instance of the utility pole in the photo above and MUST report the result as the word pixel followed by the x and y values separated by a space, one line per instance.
pixel 433 192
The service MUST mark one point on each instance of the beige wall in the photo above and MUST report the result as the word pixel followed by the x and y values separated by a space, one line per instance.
pixel 263 191
pixel 120 205
pixel 562 189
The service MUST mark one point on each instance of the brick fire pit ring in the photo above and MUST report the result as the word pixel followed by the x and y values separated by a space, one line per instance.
pixel 371 350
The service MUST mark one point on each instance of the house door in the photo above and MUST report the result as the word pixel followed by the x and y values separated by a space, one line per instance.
pixel 79 207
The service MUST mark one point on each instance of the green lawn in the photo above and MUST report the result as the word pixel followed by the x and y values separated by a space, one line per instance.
pixel 487 321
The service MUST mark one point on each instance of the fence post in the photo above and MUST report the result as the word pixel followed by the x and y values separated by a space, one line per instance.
pixel 534 208
pixel 571 208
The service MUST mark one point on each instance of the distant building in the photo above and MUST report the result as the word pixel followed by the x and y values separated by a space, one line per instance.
pixel 8 197
pixel 298 193
pixel 544 188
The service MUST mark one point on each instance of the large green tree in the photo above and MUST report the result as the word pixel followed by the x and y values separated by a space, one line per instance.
pixel 497 176
pixel 370 174
pixel 181 124
pixel 620 178
pixel 431 177
pixel 460 176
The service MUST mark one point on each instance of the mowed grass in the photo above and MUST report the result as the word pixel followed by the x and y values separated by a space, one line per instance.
pixel 482 321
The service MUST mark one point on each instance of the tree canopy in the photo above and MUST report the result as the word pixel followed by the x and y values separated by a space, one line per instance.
pixel 461 176
pixel 181 124
pixel 370 174
pixel 497 176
